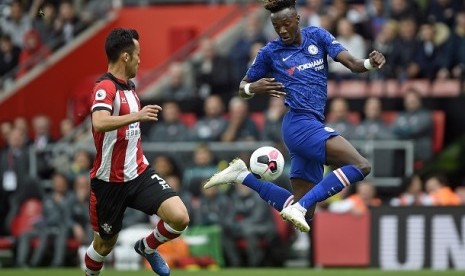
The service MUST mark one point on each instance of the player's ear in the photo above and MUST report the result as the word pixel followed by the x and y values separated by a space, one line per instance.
pixel 298 18
pixel 126 56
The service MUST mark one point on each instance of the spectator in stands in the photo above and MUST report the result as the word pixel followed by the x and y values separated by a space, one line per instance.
pixel 404 49
pixel 211 208
pixel 177 86
pixel 79 208
pixel 443 11
pixel 249 220
pixel 16 24
pixel 310 13
pixel 426 62
pixel 384 42
pixel 412 193
pixel 170 128
pixel 81 164
pixel 203 167
pixel 460 192
pixel 41 140
pixel 66 128
pixel 338 118
pixel 33 53
pixel 239 53
pixel 273 119
pixel 213 123
pixel 9 55
pixel 353 42
pixel 44 24
pixel 400 9
pixel 53 226
pixel 441 194
pixel 453 55
pixel 5 129
pixel 359 202
pixel 212 72
pixel 415 123
pixel 14 168
pixel 67 24
pixel 240 126
pixel 165 165
pixel 373 126
pixel 377 18
pixel 21 124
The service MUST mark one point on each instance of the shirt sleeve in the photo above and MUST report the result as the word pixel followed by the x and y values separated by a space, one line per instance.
pixel 103 96
pixel 260 67
pixel 332 46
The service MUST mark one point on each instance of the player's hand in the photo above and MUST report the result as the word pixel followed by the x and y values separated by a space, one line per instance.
pixel 149 113
pixel 268 86
pixel 377 59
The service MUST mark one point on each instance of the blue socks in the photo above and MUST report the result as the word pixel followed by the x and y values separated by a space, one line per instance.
pixel 274 195
pixel 332 184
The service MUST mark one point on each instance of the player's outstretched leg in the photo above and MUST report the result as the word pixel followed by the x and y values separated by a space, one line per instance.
pixel 237 172
pixel 332 184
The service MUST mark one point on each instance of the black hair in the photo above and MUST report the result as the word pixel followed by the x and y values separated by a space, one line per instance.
pixel 118 41
pixel 278 5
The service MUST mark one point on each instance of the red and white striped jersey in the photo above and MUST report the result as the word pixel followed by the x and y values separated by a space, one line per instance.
pixel 119 155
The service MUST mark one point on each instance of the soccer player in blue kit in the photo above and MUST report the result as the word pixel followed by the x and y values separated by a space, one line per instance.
pixel 297 61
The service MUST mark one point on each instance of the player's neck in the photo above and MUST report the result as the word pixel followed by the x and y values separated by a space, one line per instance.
pixel 118 72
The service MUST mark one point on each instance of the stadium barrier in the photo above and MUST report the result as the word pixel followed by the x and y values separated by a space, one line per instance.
pixel 392 238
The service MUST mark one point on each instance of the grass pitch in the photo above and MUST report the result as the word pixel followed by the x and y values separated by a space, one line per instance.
pixel 234 272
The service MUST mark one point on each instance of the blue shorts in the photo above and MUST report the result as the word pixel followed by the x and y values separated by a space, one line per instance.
pixel 305 137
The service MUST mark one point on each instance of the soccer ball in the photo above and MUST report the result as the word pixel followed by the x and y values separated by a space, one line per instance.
pixel 267 163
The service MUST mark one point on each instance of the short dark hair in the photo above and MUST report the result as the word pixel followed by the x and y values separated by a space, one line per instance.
pixel 278 5
pixel 118 41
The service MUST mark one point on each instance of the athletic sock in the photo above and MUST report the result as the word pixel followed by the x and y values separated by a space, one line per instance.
pixel 93 261
pixel 162 233
pixel 332 184
pixel 277 197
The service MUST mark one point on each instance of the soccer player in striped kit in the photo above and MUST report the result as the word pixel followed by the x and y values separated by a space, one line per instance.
pixel 121 176
pixel 297 61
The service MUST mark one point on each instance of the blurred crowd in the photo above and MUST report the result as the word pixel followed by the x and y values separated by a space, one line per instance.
pixel 421 39
pixel 31 30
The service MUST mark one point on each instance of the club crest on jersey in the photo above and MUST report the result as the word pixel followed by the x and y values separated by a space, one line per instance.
pixel 100 94
pixel 312 49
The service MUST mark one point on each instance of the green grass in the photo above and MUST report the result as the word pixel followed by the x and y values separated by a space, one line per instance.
pixel 232 272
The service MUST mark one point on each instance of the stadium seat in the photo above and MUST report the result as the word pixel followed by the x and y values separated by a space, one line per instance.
pixel 439 121
pixel 439 125
pixel 353 88
pixel 29 213
pixel 189 119
pixel 423 86
pixel 384 88
pixel 333 89
pixel 259 119
pixel 353 117
pixel 445 88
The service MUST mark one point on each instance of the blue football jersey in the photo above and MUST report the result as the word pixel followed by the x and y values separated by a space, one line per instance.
pixel 302 69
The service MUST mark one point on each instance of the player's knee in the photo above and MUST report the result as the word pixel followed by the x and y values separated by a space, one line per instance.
pixel 179 220
pixel 364 166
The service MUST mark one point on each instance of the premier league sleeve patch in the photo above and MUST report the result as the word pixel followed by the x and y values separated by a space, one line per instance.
pixel 100 95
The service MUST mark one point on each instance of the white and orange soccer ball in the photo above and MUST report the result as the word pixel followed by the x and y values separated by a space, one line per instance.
pixel 267 163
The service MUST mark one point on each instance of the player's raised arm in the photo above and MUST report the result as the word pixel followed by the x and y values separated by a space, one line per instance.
pixel 375 60
pixel 266 86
